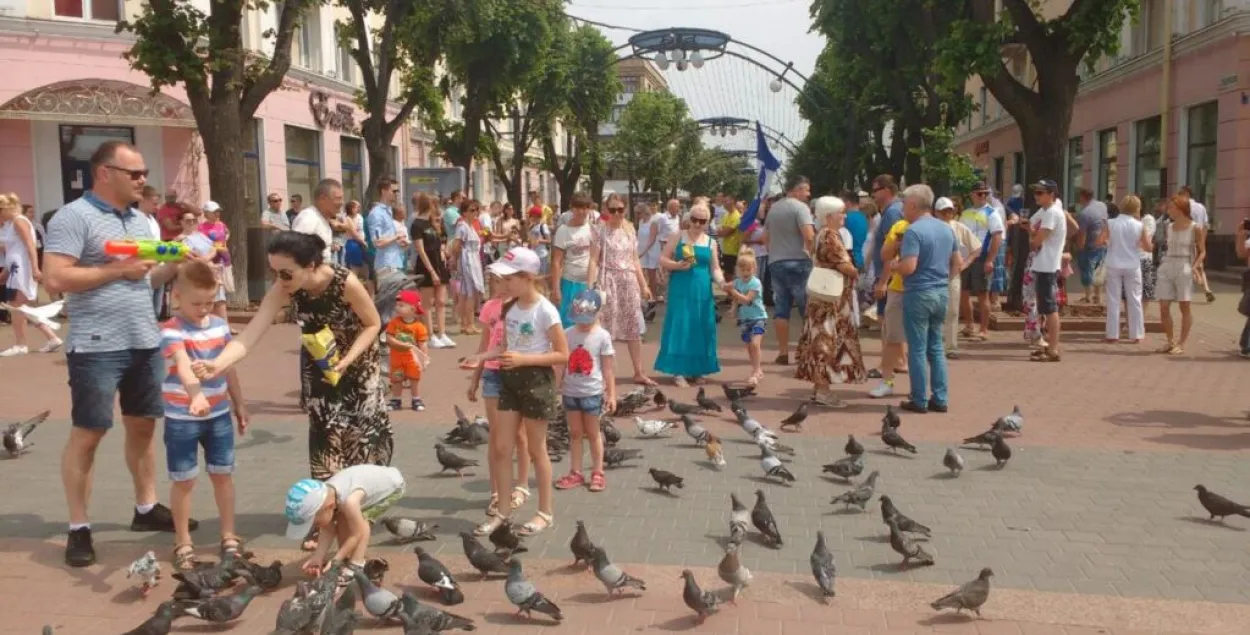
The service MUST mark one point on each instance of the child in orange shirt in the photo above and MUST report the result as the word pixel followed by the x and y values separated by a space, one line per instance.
pixel 408 339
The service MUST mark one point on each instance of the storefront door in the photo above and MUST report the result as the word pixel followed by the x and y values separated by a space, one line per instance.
pixel 78 143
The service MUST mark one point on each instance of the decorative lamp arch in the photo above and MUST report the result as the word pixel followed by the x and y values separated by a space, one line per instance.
pixel 99 102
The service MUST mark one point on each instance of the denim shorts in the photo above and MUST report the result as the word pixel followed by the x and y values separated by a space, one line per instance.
pixel 751 328
pixel 184 438
pixel 589 405
pixel 97 379
pixel 789 286
pixel 1087 261
pixel 491 383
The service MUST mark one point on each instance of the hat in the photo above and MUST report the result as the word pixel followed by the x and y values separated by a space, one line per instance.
pixel 979 186
pixel 943 204
pixel 517 260
pixel 535 211
pixel 862 194
pixel 1045 185
pixel 303 501
pixel 585 307
pixel 211 206
pixel 412 298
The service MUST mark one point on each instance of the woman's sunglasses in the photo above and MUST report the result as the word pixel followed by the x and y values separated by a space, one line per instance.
pixel 616 210
pixel 698 221
pixel 282 275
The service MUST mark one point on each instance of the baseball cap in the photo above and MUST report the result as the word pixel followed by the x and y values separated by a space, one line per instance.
pixel 943 204
pixel 1045 185
pixel 412 298
pixel 535 210
pixel 980 186
pixel 303 501
pixel 517 260
pixel 211 206
pixel 585 307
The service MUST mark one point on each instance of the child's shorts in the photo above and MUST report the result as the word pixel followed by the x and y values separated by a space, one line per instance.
pixel 491 383
pixel 375 511
pixel 589 405
pixel 751 328
pixel 404 366
pixel 529 390
pixel 184 438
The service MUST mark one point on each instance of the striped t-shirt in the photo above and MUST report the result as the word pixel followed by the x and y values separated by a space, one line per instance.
pixel 200 343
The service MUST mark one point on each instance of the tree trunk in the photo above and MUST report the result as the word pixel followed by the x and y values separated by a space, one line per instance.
pixel 912 172
pixel 379 151
pixel 222 136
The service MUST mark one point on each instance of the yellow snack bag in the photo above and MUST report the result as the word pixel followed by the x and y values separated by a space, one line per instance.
pixel 325 352
pixel 687 252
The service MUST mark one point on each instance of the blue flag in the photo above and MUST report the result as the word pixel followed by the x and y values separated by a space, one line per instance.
pixel 769 165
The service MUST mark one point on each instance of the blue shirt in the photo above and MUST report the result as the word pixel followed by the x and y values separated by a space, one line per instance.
pixel 451 216
pixel 755 309
pixel 857 224
pixel 932 242
pixel 893 213
pixel 381 224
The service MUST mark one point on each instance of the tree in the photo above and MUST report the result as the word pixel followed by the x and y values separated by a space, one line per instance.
pixel 946 171
pixel 722 171
pixel 225 83
pixel 657 142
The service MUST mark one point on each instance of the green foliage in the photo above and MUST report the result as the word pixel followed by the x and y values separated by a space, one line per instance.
pixel 721 171
pixel 657 141
pixel 949 172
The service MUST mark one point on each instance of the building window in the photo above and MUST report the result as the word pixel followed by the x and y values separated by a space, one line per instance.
pixel 985 105
pixel 303 161
pixel 1018 174
pixel 308 37
pixel 629 84
pixel 1076 168
pixel 1147 136
pixel 1148 35
pixel 347 65
pixel 251 170
pixel 1210 12
pixel 104 10
pixel 352 154
pixel 1107 169
pixel 999 166
pixel 78 143
pixel 1200 155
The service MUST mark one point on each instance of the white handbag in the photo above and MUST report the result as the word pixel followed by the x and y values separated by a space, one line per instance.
pixel 825 285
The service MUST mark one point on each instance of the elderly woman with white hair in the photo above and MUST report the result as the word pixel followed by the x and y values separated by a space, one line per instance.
pixel 828 351
pixel 688 341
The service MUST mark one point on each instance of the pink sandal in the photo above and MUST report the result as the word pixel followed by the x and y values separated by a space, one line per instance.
pixel 571 480
pixel 598 482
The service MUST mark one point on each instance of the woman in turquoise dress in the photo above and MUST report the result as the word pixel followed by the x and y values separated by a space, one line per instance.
pixel 688 342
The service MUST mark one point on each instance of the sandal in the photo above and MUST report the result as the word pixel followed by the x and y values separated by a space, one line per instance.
pixel 1166 349
pixel 1046 356
pixel 680 382
pixel 489 527
pixel 1177 350
pixel 492 510
pixel 231 545
pixel 570 480
pixel 184 558
pixel 519 495
pixel 533 528
pixel 310 541
pixel 598 482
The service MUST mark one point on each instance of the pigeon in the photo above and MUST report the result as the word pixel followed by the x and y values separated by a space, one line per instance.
pixel 715 453
pixel 161 622
pixel 823 567
pixel 42 315
pixel 614 457
pixel 762 518
pixel 971 596
pixel 888 511
pixel 845 467
pixel 581 546
pixel 704 402
pixel 409 530
pixel 733 572
pixel 1218 506
pixel 267 577
pixel 985 438
pixel 295 615
pixel 379 602
pixel 452 461
pixel 219 609
pixel 461 418
pixel 895 441
pixel 953 462
pixel 375 569
pixel 613 579
pixel 679 408
pixel 853 447
pixel 416 615
pixel 1001 451
pixel 660 399
pixel 694 430
pixel 906 547
pixel 506 539
pixel 436 574
pixel 203 582
pixel 321 591
pixel 860 495
pixel 147 569
pixel 890 420
pixel 738 519
pixel 17 435
pixel 652 427
pixel 522 594
pixel 770 444
pixel 796 419
pixel 703 603
pixel 340 617
pixel 632 401
pixel 773 467
pixel 1013 423
pixel 749 425
pixel 665 480
pixel 611 435
pixel 484 560
pixel 738 393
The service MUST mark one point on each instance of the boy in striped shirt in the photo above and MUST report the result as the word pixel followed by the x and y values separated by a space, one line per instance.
pixel 197 413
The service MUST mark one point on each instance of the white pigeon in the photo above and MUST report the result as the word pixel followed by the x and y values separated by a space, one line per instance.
pixel 147 569
pixel 772 466
pixel 43 315
pixel 652 428
pixel 1013 423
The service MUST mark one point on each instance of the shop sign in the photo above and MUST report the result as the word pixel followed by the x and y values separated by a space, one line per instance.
pixel 341 118
pixel 982 147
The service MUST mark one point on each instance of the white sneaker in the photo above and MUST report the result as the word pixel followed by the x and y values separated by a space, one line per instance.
pixel 883 389
pixel 14 351
pixel 436 341
pixel 51 346
pixel 447 341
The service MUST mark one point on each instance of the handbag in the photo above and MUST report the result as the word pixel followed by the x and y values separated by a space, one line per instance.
pixel 1100 274
pixel 825 285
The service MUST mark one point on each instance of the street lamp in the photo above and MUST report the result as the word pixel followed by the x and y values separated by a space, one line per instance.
pixel 682 48
pixel 661 61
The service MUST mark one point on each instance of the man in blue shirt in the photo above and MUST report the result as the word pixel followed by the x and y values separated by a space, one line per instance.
pixel 929 254
pixel 451 215
pixel 885 195
pixel 857 224
pixel 387 244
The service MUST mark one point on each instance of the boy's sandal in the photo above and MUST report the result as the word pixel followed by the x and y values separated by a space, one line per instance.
pixel 347 575
pixel 489 527
pixel 231 545
pixel 598 482
pixel 311 540
pixel 520 494
pixel 492 509
pixel 184 558
pixel 542 522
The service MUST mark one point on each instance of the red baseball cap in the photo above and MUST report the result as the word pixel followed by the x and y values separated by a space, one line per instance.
pixel 535 211
pixel 411 297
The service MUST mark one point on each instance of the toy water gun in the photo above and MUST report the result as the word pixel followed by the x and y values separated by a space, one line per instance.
pixel 325 353
pixel 687 252
pixel 160 251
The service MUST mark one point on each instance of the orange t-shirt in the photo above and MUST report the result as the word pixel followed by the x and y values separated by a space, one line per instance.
pixel 403 363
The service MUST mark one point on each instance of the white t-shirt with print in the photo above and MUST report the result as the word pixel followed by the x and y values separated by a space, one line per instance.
pixel 525 328
pixel 575 241
pixel 1050 256
pixel 583 376
pixel 310 221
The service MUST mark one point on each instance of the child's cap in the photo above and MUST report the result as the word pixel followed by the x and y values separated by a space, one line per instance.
pixel 536 211
pixel 586 306
pixel 303 501
pixel 412 298
pixel 517 260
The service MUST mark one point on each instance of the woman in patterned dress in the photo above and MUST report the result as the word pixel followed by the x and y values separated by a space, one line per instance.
pixel 348 422
pixel 622 280
pixel 464 261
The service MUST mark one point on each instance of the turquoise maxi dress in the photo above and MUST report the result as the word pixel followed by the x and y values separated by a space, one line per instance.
pixel 688 343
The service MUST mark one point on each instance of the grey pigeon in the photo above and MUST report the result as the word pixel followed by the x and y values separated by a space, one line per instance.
pixel 888 511
pixel 1001 451
pixel 522 594
pixel 611 435
pixel 321 591
pixel 659 399
pixel 773 467
pixel 267 577
pixel 985 438
pixel 762 518
pixel 860 494
pixel 796 418
pixel 161 622
pixel 147 569
pixel 613 578
pixel 295 615
pixel 738 519
pixel 846 467
pixel 17 435
pixel 770 444
pixel 581 546
pixel 971 596
pixel 733 572
pixel 679 408
pixel 1013 423
pixel 482 559
pixel 379 602
pixel 694 430
pixel 738 393
pixel 203 582
pixel 416 616
pixel 953 462
pixel 506 540
pixel 853 447
pixel 340 617
pixel 452 461
pixel 823 568
pixel 632 401
pixel 614 457
pixel 461 418
pixel 890 420
pixel 906 547
pixel 703 603
pixel 1218 506
pixel 750 425
pixel 375 569
pixel 436 574
pixel 219 609
pixel 704 402
pixel 895 441
pixel 665 480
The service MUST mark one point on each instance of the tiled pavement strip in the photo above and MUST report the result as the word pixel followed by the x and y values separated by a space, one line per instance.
pixel 1093 526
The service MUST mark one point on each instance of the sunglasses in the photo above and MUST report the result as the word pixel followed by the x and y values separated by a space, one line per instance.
pixel 616 210
pixel 283 275
pixel 134 175
pixel 698 221
pixel 275 200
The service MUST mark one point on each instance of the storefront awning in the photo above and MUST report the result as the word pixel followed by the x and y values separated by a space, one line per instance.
pixel 99 102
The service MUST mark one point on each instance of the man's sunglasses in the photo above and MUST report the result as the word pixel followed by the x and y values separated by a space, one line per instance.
pixel 135 175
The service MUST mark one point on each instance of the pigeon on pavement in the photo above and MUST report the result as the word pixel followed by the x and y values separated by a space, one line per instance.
pixel 436 574
pixel 773 467
pixel 1218 506
pixel 985 438
pixel 762 518
pixel 715 453
pixel 295 615
pixel 859 495
pixel 484 560
pixel 771 444
pixel 733 572
pixel 267 577
pixel 1001 451
pixel 971 596
pixel 703 603
pixel 796 418
pixel 611 435
pixel 953 462
pixel 846 467
pixel 17 435
pixel 581 546
pixel 379 602
pixel 452 461
pixel 738 393
pixel 416 615
pixel 219 609
pixel 853 447
pixel 613 578
pixel 161 622
pixel 679 408
pixel 1012 423
pixel 408 529
pixel 694 430
pixel 890 420
pixel 376 568
pixel 147 569
pixel 895 441
pixel 506 540
pixel 906 547
pixel 523 595
pixel 823 567
pixel 652 427
pixel 665 480
pixel 888 510
pixel 633 401
pixel 340 617
pixel 738 519
pixel 615 457
pixel 704 402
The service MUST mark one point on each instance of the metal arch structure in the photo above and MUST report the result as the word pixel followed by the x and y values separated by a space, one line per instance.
pixel 738 123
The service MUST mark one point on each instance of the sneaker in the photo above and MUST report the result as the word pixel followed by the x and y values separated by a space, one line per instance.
pixel 417 404
pixel 874 373
pixel 158 518
pixel 447 341
pixel 51 346
pixel 79 552
pixel 884 389
pixel 782 360
pixel 395 404
pixel 937 407
pixel 571 480
pixel 436 341
pixel 911 406
pixel 14 351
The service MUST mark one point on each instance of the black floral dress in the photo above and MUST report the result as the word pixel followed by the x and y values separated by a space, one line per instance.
pixel 348 423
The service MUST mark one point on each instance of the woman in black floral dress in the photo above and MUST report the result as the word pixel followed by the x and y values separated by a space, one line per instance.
pixel 348 422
